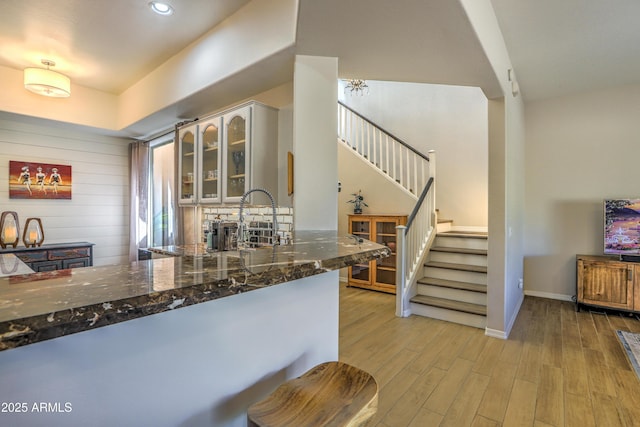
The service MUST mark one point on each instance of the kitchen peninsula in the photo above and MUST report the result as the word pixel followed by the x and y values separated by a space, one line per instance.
pixel 171 341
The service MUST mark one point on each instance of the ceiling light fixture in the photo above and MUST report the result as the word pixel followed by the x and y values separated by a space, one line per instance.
pixel 161 8
pixel 358 86
pixel 47 82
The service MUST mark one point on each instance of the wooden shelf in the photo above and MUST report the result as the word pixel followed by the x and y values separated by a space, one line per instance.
pixel 605 281
pixel 211 148
pixel 238 142
pixel 381 273
pixel 236 176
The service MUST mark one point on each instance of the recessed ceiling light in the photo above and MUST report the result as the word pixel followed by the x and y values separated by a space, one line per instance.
pixel 161 8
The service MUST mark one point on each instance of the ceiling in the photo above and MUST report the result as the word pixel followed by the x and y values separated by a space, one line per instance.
pixel 423 41
pixel 104 45
pixel 556 47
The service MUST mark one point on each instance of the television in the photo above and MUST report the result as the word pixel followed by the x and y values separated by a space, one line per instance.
pixel 622 227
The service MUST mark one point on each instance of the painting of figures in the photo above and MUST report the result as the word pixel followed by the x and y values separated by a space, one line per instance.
pixel 37 180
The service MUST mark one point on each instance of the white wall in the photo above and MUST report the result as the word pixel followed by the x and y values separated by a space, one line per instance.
pixel 452 120
pixel 506 178
pixel 281 97
pixel 201 365
pixel 315 123
pixel 99 209
pixel 380 193
pixel 580 150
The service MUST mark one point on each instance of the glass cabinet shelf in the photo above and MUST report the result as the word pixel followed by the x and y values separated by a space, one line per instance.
pixel 380 274
pixel 223 155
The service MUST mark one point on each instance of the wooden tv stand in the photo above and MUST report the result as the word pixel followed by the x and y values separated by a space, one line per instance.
pixel 606 282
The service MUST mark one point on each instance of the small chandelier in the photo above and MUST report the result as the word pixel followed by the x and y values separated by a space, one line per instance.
pixel 47 82
pixel 358 86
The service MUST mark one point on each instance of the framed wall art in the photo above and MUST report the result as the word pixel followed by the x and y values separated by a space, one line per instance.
pixel 37 180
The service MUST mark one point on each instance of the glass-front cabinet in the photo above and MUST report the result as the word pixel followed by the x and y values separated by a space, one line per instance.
pixel 237 143
pixel 379 275
pixel 360 273
pixel 209 161
pixel 224 155
pixel 187 164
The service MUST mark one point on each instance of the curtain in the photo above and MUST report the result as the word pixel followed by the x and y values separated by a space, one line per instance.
pixel 139 197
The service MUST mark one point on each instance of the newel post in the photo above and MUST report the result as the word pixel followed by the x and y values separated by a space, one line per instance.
pixel 401 265
pixel 432 174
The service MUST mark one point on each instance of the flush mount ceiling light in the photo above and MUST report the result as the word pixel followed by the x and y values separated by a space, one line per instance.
pixel 357 86
pixel 44 81
pixel 161 8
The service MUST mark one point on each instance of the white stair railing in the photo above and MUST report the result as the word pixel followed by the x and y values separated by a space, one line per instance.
pixel 412 171
pixel 393 157
pixel 412 242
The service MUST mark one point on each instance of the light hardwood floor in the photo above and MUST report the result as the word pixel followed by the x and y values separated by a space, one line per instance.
pixel 558 367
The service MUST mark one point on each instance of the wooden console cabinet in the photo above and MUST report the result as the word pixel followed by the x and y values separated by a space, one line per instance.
pixel 377 275
pixel 55 256
pixel 607 282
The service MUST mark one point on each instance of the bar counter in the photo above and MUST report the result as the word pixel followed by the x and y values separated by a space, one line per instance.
pixel 41 306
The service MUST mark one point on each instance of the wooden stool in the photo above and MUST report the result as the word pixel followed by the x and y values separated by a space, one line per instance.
pixel 330 394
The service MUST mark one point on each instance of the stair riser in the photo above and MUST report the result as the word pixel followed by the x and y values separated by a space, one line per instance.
pixel 457 275
pixel 462 318
pixel 453 294
pixel 457 258
pixel 461 242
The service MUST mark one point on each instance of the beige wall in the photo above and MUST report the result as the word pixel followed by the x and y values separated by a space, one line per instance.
pixel 580 150
pixel 99 209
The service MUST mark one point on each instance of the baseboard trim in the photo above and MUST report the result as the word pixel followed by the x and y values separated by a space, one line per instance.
pixel 549 295
pixel 470 228
pixel 515 315
pixel 495 333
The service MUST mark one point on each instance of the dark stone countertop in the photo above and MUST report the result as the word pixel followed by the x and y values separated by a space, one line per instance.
pixel 40 306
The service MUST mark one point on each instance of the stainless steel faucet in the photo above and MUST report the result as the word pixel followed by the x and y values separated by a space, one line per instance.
pixel 241 226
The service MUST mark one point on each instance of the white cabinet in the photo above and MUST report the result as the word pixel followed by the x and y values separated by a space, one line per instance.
pixel 237 142
pixel 224 155
pixel 187 164
pixel 209 160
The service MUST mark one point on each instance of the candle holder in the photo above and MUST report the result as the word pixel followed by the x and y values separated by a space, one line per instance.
pixel 33 234
pixel 9 229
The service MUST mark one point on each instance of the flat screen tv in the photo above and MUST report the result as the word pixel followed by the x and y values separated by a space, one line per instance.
pixel 622 227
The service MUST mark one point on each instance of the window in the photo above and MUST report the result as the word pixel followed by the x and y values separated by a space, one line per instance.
pixel 162 190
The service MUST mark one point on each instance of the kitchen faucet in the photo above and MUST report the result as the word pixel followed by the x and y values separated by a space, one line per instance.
pixel 241 226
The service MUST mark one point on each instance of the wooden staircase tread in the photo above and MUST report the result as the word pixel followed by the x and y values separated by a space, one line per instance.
pixel 448 304
pixel 452 266
pixel 453 284
pixel 459 250
pixel 466 234
pixel 444 221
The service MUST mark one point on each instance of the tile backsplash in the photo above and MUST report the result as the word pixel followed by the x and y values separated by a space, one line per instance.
pixel 284 216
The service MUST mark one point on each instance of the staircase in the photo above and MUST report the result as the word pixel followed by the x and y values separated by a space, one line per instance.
pixel 454 285
pixel 451 284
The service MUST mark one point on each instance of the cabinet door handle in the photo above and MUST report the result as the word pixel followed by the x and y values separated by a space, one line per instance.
pixel 629 274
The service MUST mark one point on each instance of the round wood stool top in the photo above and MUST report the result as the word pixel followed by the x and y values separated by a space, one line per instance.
pixel 330 394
